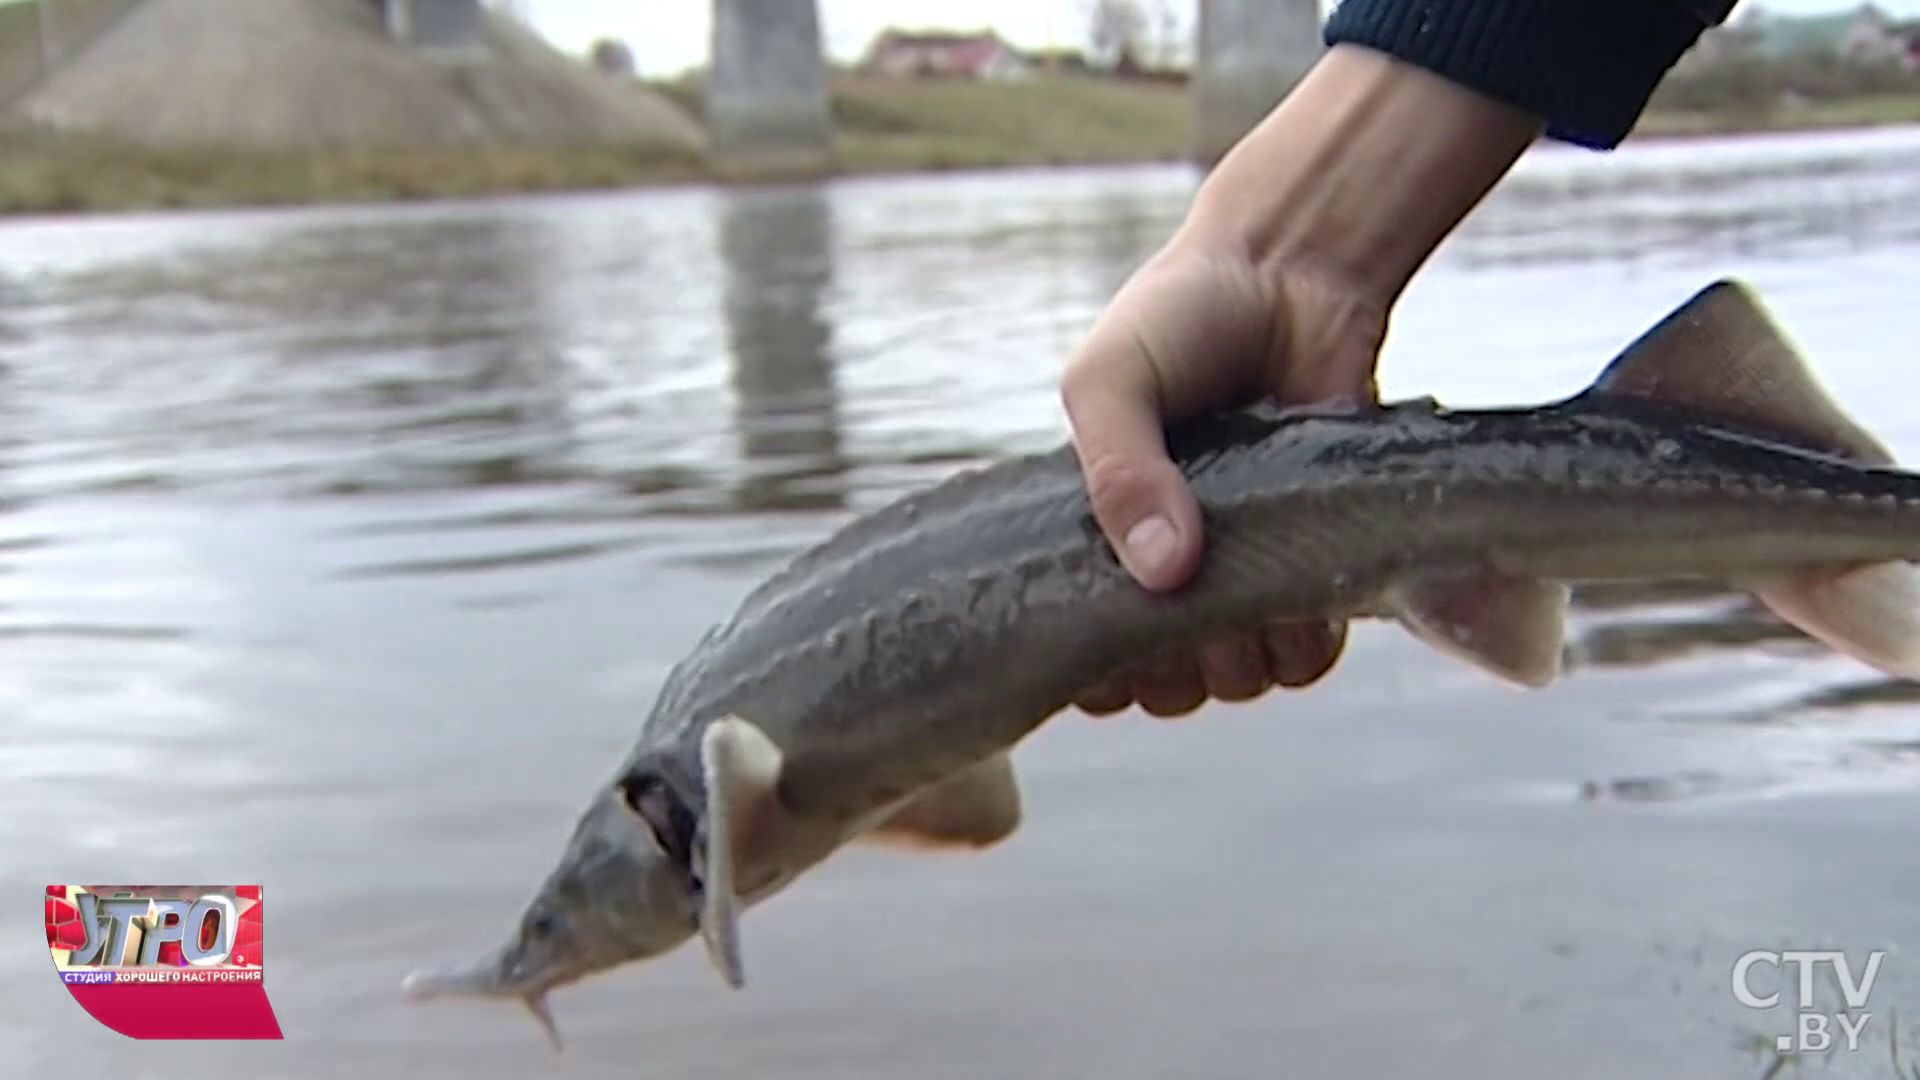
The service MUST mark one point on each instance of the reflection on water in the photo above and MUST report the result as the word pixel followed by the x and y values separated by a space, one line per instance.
pixel 357 356
pixel 779 259
pixel 1640 637
pixel 1760 199
pixel 1131 226
pixel 342 550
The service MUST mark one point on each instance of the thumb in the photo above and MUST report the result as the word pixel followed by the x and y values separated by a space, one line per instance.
pixel 1141 366
pixel 1139 496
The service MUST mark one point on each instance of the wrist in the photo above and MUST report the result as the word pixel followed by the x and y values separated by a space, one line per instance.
pixel 1359 173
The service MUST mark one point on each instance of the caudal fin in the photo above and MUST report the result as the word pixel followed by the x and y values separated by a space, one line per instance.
pixel 1722 353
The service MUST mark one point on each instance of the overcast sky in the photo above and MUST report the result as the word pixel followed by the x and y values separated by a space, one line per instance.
pixel 668 36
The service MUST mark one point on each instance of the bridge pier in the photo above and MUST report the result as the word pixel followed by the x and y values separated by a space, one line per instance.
pixel 434 24
pixel 767 109
pixel 1250 54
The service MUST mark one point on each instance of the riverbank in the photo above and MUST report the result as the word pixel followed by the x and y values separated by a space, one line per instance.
pixel 1865 111
pixel 882 126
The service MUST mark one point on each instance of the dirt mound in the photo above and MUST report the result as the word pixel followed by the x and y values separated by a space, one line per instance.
pixel 323 74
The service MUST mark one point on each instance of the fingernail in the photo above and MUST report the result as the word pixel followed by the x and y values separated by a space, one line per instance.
pixel 1150 545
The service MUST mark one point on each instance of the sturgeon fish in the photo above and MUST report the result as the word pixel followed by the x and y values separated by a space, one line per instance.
pixel 874 688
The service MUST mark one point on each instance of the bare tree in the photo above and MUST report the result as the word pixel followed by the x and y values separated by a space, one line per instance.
pixel 1117 32
pixel 1169 43
pixel 612 56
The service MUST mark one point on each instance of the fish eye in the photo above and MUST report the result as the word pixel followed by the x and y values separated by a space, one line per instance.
pixel 540 925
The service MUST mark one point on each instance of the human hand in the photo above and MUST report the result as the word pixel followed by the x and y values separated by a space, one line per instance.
pixel 1199 328
pixel 1280 282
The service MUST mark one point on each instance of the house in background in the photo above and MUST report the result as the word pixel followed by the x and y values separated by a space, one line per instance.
pixel 906 54
pixel 1059 61
pixel 1863 35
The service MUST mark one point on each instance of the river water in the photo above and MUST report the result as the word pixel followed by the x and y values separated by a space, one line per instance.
pixel 341 551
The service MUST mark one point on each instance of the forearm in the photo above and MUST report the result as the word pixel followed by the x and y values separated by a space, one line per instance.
pixel 1417 110
pixel 1361 171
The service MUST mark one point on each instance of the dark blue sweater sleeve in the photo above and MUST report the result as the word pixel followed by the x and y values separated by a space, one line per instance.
pixel 1586 66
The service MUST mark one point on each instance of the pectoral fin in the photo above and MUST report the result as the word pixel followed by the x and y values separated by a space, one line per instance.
pixel 741 767
pixel 1722 353
pixel 974 808
pixel 1511 627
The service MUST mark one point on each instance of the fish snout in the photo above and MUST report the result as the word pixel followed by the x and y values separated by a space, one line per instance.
pixel 487 979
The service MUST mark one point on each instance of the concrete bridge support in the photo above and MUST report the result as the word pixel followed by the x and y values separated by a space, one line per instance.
pixel 1250 54
pixel 434 24
pixel 767 108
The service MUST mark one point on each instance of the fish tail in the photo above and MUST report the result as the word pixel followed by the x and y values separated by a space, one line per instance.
pixel 1721 352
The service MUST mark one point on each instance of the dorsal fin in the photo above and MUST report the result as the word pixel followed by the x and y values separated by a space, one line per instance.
pixel 1722 353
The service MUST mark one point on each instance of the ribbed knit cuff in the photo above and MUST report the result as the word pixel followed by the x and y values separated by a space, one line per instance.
pixel 1587 67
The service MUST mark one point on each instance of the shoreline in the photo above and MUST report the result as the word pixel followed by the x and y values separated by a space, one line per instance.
pixel 882 129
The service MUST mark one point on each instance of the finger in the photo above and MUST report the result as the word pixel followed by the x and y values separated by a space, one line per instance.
pixel 1139 498
pixel 1183 335
pixel 1105 698
pixel 1300 654
pixel 1234 668
pixel 1170 686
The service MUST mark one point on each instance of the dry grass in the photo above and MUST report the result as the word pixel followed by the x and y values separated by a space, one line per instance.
pixel 1865 111
pixel 48 174
pixel 71 23
pixel 892 125
pixel 19 49
pixel 1060 121
pixel 882 126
